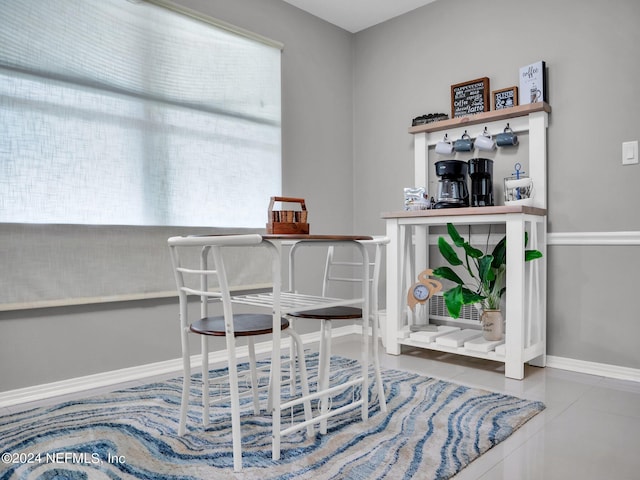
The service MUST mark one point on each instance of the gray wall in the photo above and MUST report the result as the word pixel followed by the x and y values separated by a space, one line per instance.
pixel 47 345
pixel 405 67
pixel 347 103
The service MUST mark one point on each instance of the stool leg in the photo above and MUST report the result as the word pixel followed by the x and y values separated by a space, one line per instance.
pixel 323 369
pixel 235 404
pixel 186 386
pixel 294 354
pixel 304 382
pixel 254 375
pixel 204 348
pixel 376 364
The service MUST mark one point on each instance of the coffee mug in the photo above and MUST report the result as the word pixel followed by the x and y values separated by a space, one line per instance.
pixel 445 147
pixel 463 144
pixel 485 141
pixel 507 138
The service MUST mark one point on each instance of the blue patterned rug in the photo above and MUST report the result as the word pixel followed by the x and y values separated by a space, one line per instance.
pixel 432 430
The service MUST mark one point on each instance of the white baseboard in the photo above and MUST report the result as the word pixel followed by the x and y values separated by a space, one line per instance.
pixel 593 368
pixel 114 377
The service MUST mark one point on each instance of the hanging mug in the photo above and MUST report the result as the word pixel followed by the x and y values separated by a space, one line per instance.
pixel 485 141
pixel 507 138
pixel 464 143
pixel 445 147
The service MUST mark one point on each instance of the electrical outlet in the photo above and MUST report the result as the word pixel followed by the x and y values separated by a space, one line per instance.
pixel 629 153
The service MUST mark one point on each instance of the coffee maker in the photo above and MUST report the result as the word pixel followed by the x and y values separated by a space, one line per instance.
pixel 481 173
pixel 452 186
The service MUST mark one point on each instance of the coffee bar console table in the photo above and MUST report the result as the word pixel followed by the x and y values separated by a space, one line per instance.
pixel 410 231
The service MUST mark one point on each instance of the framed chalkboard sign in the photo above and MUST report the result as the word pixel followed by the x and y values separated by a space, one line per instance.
pixel 505 98
pixel 470 97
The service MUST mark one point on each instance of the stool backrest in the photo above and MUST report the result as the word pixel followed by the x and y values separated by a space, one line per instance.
pixel 190 257
pixel 341 268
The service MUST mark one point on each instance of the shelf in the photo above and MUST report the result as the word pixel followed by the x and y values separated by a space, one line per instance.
pixel 484 117
pixel 410 237
pixel 446 212
pixel 490 355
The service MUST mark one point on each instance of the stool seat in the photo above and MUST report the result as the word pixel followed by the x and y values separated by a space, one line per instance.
pixel 331 313
pixel 244 324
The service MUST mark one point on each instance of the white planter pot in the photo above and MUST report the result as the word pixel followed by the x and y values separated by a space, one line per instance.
pixel 492 325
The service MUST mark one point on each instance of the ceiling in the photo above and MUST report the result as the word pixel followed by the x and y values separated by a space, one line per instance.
pixel 356 15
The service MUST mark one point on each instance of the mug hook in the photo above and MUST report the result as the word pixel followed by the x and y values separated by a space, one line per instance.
pixel 507 128
pixel 465 135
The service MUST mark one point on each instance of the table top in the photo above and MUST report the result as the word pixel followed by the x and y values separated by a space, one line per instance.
pixel 444 212
pixel 296 236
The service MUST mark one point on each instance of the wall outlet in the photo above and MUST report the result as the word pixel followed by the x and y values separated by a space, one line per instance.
pixel 629 153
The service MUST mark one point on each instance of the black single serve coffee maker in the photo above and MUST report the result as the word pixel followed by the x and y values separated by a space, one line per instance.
pixel 452 186
pixel 481 173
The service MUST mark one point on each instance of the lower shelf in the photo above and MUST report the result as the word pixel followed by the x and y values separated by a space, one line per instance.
pixel 467 342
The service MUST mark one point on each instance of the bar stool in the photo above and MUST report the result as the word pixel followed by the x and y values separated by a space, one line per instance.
pixel 188 270
pixel 335 272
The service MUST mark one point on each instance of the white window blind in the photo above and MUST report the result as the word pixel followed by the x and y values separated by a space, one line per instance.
pixel 125 113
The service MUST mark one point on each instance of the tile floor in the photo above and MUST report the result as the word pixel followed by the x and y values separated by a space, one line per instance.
pixel 590 429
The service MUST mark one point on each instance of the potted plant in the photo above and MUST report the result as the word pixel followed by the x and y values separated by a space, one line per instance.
pixel 487 274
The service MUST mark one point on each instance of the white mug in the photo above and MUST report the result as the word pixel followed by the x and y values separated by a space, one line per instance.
pixel 445 147
pixel 485 142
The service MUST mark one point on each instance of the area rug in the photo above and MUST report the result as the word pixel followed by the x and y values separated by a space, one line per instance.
pixel 432 430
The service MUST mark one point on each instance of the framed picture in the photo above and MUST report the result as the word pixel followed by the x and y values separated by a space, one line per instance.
pixel 533 83
pixel 505 98
pixel 470 97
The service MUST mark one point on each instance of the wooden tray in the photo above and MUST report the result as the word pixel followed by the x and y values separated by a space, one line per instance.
pixel 288 221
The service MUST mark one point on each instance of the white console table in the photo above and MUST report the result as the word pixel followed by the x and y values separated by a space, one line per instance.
pixel 409 231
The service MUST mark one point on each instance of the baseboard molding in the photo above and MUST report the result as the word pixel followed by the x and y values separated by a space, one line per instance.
pixel 114 377
pixel 593 368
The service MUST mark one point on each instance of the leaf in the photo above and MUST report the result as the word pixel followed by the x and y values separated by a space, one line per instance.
pixel 472 251
pixel 447 273
pixel 531 255
pixel 448 252
pixel 485 269
pixel 457 240
pixel 457 296
pixel 469 297
pixel 453 300
pixel 500 253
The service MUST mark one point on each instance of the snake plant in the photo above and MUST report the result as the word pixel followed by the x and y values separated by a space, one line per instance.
pixel 487 272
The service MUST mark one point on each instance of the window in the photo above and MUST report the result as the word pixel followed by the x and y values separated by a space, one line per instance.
pixel 115 112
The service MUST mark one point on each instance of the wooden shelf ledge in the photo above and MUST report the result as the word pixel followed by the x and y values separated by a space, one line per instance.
pixel 484 117
pixel 447 212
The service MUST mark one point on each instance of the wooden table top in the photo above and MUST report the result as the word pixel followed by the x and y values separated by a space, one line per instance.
pixel 296 236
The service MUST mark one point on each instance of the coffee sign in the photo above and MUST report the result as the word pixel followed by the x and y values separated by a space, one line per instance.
pixel 533 83
pixel 505 98
pixel 470 97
